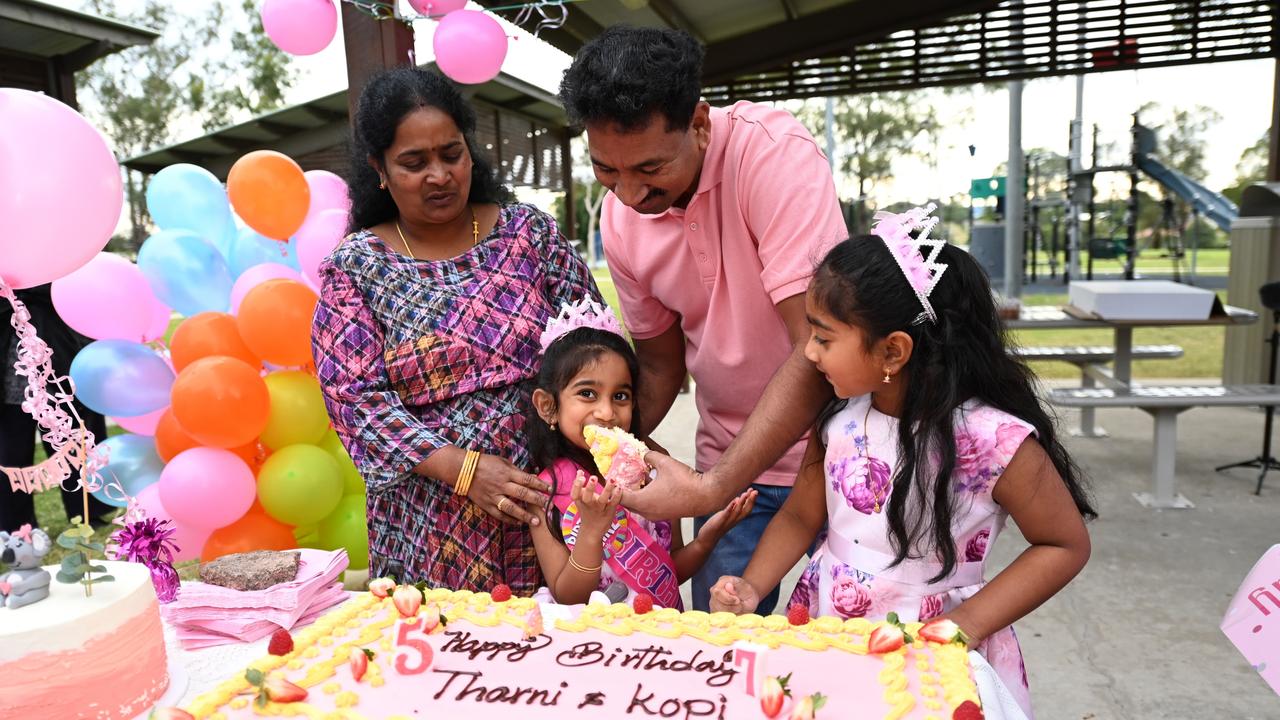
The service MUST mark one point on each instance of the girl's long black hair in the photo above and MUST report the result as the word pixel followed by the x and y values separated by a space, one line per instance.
pixel 963 356
pixel 564 359
pixel 385 101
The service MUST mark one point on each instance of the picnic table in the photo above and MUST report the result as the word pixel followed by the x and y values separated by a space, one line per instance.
pixel 1119 390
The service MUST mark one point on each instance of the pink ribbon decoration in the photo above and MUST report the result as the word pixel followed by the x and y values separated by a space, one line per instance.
pixel 60 423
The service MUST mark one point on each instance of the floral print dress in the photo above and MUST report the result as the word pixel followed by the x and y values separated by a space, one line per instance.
pixel 849 576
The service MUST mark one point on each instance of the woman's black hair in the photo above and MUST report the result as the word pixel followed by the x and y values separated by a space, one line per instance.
pixel 564 359
pixel 963 356
pixel 627 74
pixel 385 101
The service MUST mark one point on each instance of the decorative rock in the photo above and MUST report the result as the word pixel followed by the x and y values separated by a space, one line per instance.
pixel 255 570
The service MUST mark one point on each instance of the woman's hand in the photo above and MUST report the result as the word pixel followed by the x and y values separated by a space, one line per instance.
pixel 597 504
pixel 735 595
pixel 722 522
pixel 506 492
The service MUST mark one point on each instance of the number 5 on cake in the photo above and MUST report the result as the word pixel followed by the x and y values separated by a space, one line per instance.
pixel 413 653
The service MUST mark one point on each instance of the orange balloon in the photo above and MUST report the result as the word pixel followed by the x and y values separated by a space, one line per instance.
pixel 207 334
pixel 275 321
pixel 171 439
pixel 254 531
pixel 269 192
pixel 221 402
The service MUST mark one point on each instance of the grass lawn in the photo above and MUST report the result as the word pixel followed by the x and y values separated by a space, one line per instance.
pixel 1213 261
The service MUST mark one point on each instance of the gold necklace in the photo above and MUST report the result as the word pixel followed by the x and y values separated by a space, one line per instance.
pixel 475 234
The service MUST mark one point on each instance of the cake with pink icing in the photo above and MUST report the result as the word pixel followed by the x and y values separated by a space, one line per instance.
pixel 618 454
pixel 457 654
pixel 72 656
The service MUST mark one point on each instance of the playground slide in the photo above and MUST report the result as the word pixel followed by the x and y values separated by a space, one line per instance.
pixel 1210 204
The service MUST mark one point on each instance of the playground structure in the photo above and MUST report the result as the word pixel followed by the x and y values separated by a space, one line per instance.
pixel 1056 197
pixel 1078 201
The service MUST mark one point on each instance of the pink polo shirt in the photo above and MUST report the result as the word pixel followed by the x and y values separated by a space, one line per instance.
pixel 764 214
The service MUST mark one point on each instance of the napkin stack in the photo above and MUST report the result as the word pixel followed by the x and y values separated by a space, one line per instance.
pixel 206 615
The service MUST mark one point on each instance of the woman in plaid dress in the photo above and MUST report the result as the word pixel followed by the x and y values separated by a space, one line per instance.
pixel 426 338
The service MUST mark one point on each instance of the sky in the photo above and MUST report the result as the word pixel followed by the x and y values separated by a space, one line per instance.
pixel 1240 91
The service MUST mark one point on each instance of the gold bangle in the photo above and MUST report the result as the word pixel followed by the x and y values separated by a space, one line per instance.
pixel 467 473
pixel 469 470
pixel 574 564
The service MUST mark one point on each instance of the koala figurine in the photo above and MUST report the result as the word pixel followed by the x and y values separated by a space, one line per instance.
pixel 25 583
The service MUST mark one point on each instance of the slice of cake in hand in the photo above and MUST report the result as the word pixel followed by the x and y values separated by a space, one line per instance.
pixel 618 454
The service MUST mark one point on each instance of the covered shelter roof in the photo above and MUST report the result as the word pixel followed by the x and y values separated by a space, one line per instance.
pixel 521 125
pixel 42 45
pixel 776 49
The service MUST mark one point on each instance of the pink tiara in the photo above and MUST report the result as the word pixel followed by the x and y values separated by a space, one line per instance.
pixel 584 313
pixel 917 257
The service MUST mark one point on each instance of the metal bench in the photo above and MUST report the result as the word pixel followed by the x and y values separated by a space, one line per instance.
pixel 1087 357
pixel 1164 403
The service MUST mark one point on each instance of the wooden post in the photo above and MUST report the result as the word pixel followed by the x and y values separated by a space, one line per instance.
pixel 1273 153
pixel 372 46
pixel 570 212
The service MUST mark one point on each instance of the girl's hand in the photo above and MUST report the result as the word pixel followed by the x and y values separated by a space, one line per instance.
pixel 722 522
pixel 506 492
pixel 735 595
pixel 597 504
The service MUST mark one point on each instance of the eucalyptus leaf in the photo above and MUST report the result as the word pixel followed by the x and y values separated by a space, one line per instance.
pixel 98 568
pixel 96 546
pixel 102 579
pixel 68 578
pixel 72 562
pixel 66 541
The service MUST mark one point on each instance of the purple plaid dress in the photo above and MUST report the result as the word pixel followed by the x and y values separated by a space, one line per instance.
pixel 414 355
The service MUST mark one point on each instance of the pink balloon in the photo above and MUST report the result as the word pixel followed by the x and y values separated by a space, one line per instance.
pixel 189 539
pixel 106 299
pixel 62 193
pixel 257 275
pixel 328 191
pixel 207 487
pixel 437 7
pixel 470 46
pixel 316 240
pixel 300 27
pixel 142 424
pixel 161 314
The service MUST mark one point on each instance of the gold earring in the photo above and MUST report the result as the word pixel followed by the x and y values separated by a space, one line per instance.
pixel 382 184
pixel 887 377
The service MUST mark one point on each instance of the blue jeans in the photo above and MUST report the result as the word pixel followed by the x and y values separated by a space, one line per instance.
pixel 734 550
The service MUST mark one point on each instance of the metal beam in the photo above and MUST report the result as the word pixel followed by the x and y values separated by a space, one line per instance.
pixel 823 33
pixel 789 7
pixel 578 29
pixel 674 17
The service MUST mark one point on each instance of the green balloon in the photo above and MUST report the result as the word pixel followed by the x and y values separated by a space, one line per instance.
pixel 297 410
pixel 352 481
pixel 347 527
pixel 307 536
pixel 299 485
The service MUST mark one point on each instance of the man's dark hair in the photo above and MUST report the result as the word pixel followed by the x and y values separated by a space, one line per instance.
pixel 628 73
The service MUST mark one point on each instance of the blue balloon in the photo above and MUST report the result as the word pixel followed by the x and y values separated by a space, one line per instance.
pixel 186 272
pixel 188 197
pixel 226 243
pixel 253 249
pixel 133 464
pixel 292 260
pixel 121 378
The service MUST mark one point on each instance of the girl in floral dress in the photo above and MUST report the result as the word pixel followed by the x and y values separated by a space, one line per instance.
pixel 936 438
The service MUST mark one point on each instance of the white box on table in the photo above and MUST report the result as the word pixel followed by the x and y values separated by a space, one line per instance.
pixel 1140 300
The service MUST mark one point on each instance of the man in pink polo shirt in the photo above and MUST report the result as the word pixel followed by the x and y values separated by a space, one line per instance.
pixel 714 224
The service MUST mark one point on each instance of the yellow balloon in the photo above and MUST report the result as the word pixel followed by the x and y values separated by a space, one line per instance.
pixel 353 482
pixel 348 528
pixel 298 416
pixel 299 485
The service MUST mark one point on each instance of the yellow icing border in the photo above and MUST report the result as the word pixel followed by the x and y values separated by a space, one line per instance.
pixel 949 668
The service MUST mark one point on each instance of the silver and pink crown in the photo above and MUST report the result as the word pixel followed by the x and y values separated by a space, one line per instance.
pixel 916 256
pixel 584 313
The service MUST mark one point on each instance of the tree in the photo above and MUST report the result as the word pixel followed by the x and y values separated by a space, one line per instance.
pixel 873 130
pixel 1180 145
pixel 144 96
pixel 1252 167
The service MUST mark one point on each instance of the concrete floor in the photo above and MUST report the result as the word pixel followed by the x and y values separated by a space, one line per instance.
pixel 1136 634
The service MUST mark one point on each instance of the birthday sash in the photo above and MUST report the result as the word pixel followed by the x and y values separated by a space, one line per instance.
pixel 631 553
